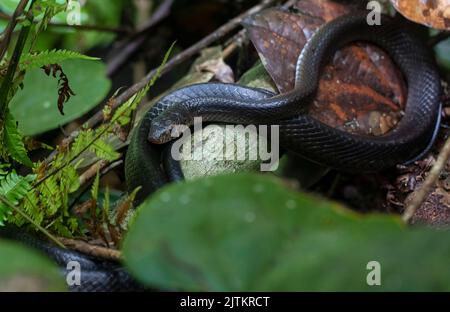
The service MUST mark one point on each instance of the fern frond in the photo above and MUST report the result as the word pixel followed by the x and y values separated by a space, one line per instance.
pixel 69 179
pixel 14 188
pixel 94 188
pixel 37 60
pixel 3 172
pixel 104 151
pixel 123 113
pixel 31 206
pixel 81 143
pixel 51 196
pixel 13 140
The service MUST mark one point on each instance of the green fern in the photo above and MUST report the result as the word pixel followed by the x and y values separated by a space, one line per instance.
pixel 37 60
pixel 47 9
pixel 46 202
pixel 31 206
pixel 104 151
pixel 95 186
pixel 123 114
pixel 14 188
pixel 4 172
pixel 13 141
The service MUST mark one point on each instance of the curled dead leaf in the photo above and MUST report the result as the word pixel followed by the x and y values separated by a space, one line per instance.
pixel 64 90
pixel 222 72
pixel 360 91
pixel 432 13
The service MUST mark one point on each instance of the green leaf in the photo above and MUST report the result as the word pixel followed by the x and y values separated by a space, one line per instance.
pixel 9 6
pixel 14 141
pixel 94 188
pixel 40 59
pixel 35 107
pixel 14 188
pixel 443 54
pixel 252 233
pixel 104 151
pixel 123 113
pixel 23 269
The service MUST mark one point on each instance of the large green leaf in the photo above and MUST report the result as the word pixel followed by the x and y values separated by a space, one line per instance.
pixel 251 232
pixel 22 269
pixel 35 107
pixel 443 54
pixel 9 5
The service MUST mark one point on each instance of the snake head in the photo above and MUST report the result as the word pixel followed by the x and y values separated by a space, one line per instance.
pixel 168 126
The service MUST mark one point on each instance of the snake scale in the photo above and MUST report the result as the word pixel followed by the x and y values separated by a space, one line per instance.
pixel 147 164
pixel 299 132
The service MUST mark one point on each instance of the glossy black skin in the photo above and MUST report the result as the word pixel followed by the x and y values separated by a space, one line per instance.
pixel 299 132
pixel 149 166
pixel 96 274
pixel 302 133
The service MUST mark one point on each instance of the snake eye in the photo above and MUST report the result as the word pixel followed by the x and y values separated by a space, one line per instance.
pixel 159 133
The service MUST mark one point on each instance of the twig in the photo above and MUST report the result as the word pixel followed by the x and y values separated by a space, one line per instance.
pixel 10 28
pixel 234 44
pixel 114 165
pixel 130 46
pixel 92 171
pixel 98 28
pixel 180 58
pixel 10 205
pixel 430 181
pixel 14 63
pixel 92 250
pixel 108 125
pixel 443 35
pixel 102 166
pixel 103 172
pixel 175 61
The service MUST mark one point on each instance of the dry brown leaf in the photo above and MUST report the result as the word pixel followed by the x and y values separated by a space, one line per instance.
pixel 360 91
pixel 432 13
pixel 222 71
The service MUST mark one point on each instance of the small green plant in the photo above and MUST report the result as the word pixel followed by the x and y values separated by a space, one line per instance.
pixel 42 199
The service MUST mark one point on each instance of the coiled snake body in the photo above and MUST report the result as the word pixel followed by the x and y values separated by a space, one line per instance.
pixel 299 132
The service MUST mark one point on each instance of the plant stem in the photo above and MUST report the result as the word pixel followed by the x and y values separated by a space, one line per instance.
pixel 10 28
pixel 13 64
pixel 99 28
pixel 422 194
pixel 10 205
pixel 218 34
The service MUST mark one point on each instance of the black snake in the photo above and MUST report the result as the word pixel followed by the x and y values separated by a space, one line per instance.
pixel 149 167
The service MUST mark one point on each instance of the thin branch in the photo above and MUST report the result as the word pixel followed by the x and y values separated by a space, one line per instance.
pixel 132 44
pixel 92 250
pixel 84 149
pixel 116 30
pixel 86 179
pixel 14 63
pixel 102 166
pixel 175 61
pixel 98 28
pixel 429 183
pixel 11 206
pixel 92 171
pixel 180 58
pixel 114 165
pixel 10 28
pixel 435 40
